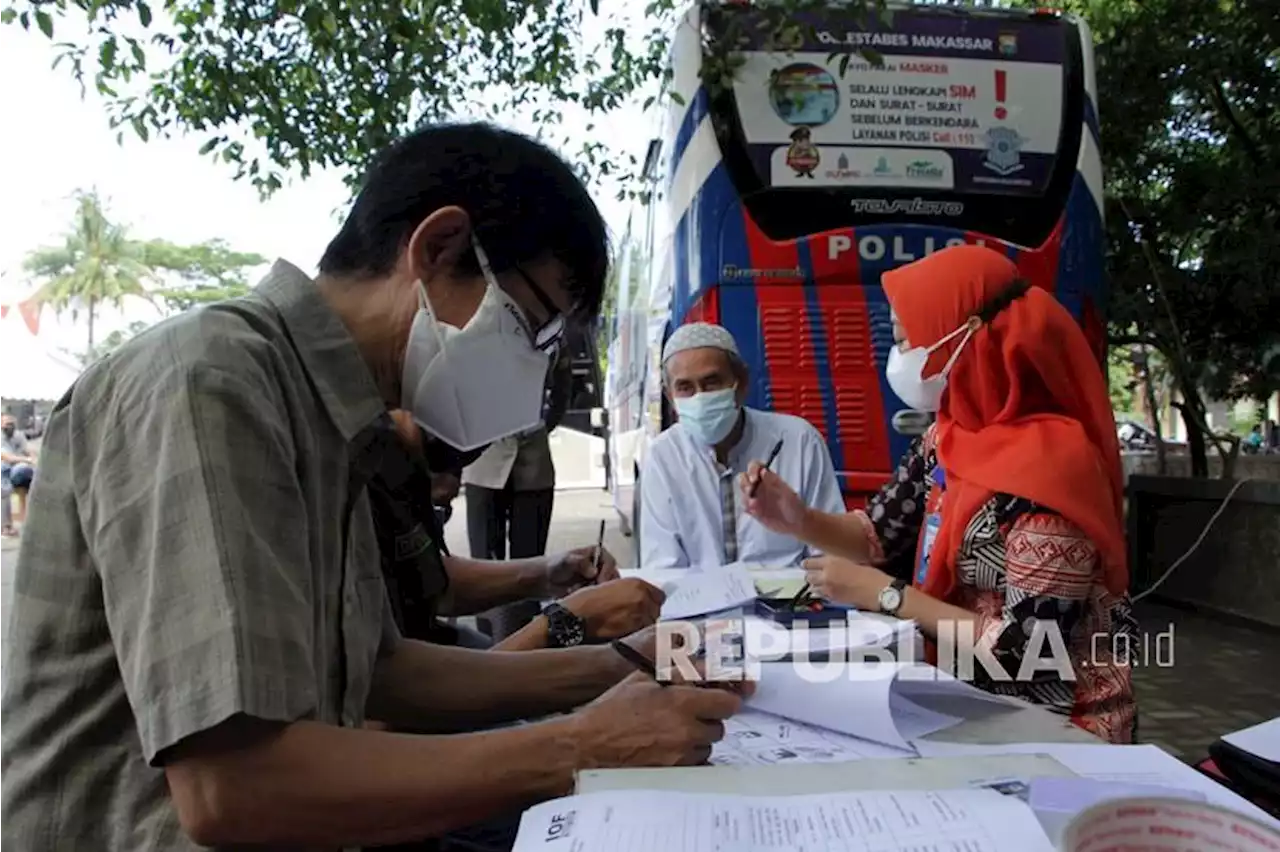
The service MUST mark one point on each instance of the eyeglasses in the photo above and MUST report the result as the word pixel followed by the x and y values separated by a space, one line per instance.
pixel 547 335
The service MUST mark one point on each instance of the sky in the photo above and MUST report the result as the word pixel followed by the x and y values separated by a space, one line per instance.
pixel 57 142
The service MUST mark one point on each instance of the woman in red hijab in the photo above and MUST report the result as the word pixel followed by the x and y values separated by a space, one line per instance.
pixel 1005 519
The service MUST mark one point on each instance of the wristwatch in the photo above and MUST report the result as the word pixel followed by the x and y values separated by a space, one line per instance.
pixel 890 599
pixel 564 628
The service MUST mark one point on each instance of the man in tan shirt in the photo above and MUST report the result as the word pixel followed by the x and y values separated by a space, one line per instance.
pixel 200 625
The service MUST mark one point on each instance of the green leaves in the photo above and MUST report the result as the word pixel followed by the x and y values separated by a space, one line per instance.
pixel 99 262
pixel 307 84
pixel 1189 101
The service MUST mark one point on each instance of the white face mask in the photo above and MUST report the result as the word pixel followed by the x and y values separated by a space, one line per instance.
pixel 471 386
pixel 905 372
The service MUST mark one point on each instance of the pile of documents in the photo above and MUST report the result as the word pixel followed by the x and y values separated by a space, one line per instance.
pixel 962 820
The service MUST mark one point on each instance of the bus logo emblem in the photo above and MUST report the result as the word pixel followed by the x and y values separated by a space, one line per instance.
pixel 1004 146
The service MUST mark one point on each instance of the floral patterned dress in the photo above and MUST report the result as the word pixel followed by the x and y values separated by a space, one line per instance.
pixel 1020 563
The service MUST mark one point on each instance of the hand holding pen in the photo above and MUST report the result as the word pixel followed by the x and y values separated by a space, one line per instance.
pixel 769 499
pixel 599 554
pixel 642 663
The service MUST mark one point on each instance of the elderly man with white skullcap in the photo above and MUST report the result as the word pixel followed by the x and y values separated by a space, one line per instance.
pixel 690 511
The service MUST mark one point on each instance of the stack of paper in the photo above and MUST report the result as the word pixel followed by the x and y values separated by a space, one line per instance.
pixel 904 821
pixel 881 702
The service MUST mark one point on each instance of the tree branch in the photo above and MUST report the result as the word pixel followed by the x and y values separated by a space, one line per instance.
pixel 1219 96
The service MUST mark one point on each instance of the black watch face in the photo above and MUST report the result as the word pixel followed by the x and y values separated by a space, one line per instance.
pixel 567 629
pixel 574 633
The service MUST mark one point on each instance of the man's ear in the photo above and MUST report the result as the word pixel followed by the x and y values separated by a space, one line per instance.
pixel 438 243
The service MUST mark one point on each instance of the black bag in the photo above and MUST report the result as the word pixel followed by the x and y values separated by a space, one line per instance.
pixel 1253 777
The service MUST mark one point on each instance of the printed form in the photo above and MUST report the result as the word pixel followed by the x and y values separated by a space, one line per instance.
pixel 755 738
pixel 664 821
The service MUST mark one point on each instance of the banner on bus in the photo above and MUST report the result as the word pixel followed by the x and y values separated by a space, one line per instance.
pixel 957 104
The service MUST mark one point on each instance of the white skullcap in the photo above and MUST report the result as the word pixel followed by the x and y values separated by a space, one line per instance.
pixel 699 335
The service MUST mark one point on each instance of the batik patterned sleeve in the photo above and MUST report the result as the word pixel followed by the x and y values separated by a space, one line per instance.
pixel 1048 572
pixel 895 514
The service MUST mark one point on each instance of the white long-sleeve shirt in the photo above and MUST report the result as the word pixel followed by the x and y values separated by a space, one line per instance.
pixel 682 523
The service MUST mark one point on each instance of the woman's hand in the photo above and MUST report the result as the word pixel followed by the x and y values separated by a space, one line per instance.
pixel 774 503
pixel 845 582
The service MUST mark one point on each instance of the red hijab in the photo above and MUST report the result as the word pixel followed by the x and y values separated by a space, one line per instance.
pixel 1025 410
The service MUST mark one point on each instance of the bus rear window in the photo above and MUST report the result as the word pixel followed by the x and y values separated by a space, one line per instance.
pixel 969 119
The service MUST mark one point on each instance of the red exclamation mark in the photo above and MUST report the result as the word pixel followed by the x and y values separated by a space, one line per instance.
pixel 1001 112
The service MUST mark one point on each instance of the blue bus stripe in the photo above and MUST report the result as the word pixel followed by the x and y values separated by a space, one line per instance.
pixel 1091 120
pixel 693 116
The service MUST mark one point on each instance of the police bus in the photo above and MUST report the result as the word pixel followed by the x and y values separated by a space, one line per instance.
pixel 782 195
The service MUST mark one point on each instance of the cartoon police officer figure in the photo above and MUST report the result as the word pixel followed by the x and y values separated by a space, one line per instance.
pixel 802 154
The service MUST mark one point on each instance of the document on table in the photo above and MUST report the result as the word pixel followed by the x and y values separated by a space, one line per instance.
pixel 873 701
pixel 703 592
pixel 755 738
pixel 1260 740
pixel 1127 764
pixel 769 640
pixel 665 821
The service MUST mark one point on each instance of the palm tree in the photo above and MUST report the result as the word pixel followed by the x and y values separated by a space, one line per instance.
pixel 96 264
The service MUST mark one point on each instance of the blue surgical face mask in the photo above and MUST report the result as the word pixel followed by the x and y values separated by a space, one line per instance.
pixel 709 416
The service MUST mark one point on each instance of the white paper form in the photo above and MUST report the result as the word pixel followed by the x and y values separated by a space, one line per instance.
pixel 868 700
pixel 702 592
pixel 768 640
pixel 665 821
pixel 1260 740
pixel 754 738
pixel 1127 764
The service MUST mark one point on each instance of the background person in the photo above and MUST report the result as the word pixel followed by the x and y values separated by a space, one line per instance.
pixel 17 463
pixel 424 582
pixel 690 515
pixel 511 490
pixel 1008 511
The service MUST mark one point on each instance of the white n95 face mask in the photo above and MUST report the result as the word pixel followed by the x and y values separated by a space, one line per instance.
pixel 473 385
pixel 905 372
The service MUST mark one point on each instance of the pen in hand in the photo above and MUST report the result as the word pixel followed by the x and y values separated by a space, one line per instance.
pixel 635 658
pixel 595 560
pixel 773 455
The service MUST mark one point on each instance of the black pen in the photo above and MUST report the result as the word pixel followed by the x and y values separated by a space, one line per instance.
pixel 635 658
pixel 595 562
pixel 777 448
pixel 800 596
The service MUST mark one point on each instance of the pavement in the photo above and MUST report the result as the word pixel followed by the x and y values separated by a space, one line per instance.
pixel 1202 679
